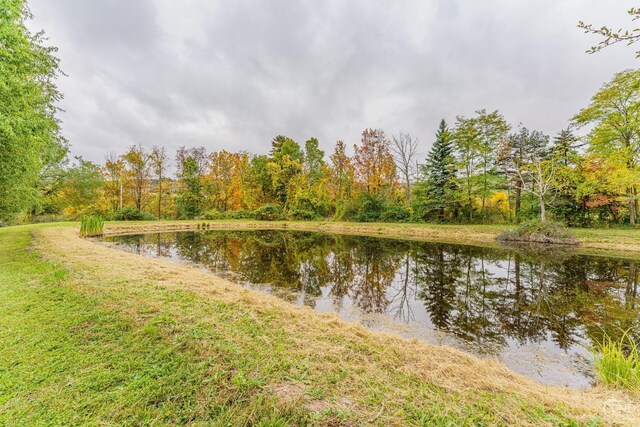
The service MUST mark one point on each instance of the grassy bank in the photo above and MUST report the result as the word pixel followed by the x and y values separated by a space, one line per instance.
pixel 622 242
pixel 92 335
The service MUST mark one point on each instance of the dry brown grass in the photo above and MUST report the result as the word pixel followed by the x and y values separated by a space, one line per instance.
pixel 363 362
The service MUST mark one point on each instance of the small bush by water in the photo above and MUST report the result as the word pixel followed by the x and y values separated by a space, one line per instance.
pixel 269 213
pixel 91 226
pixel 132 214
pixel 535 231
pixel 214 214
pixel 618 362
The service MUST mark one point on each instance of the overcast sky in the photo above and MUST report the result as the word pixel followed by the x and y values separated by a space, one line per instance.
pixel 234 74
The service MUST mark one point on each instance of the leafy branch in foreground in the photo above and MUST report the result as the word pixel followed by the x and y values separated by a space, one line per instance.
pixel 610 36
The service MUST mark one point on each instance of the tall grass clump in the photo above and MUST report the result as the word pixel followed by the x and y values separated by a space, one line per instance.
pixel 618 362
pixel 91 226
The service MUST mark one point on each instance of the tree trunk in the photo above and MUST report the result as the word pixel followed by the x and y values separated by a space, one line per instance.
pixel 518 200
pixel 633 207
pixel 159 196
pixel 543 210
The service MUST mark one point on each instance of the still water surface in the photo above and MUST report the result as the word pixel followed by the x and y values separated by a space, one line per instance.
pixel 538 314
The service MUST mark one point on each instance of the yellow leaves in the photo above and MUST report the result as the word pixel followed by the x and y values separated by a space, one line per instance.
pixel 499 202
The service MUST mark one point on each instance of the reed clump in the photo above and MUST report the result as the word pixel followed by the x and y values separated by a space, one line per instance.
pixel 618 362
pixel 91 226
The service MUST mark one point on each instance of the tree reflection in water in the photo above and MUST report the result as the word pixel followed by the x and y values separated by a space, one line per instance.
pixel 485 296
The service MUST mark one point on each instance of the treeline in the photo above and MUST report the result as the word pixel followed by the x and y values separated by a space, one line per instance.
pixel 479 169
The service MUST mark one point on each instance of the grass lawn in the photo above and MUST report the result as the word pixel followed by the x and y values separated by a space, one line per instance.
pixel 94 336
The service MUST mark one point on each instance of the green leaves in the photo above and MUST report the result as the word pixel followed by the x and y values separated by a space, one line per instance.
pixel 30 135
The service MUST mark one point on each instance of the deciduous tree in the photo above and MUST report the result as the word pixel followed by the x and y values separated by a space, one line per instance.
pixel 136 161
pixel 159 163
pixel 30 137
pixel 342 174
pixel 373 161
pixel 404 148
pixel 614 113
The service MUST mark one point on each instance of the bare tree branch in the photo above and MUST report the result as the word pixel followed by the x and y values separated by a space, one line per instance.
pixel 404 150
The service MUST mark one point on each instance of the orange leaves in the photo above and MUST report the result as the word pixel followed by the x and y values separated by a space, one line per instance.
pixel 374 164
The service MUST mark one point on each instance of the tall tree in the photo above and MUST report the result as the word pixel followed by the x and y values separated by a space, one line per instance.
pixel 159 163
pixel 466 141
pixel 569 177
pixel 516 152
pixel 404 148
pixel 341 173
pixel 137 170
pixel 614 113
pixel 439 172
pixel 114 180
pixel 313 160
pixel 190 163
pixel 283 166
pixel 492 129
pixel 477 140
pixel 30 137
pixel 284 146
pixel 374 164
pixel 224 181
pixel 83 182
pixel 540 172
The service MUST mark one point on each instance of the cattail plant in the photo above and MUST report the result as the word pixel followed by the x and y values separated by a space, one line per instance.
pixel 91 226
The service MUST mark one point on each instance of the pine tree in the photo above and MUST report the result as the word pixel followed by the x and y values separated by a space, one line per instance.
pixel 439 172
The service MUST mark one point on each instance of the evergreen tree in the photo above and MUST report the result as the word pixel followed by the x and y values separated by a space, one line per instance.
pixel 439 172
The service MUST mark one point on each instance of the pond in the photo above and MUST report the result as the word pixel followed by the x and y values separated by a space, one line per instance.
pixel 537 314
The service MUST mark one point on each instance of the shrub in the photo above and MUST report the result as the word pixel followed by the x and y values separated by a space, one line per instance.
pixel 47 218
pixel 268 213
pixel 239 214
pixel 618 362
pixel 214 214
pixel 396 213
pixel 535 231
pixel 132 214
pixel 303 214
pixel 364 208
pixel 91 226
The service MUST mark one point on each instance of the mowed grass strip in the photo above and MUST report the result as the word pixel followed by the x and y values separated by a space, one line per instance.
pixel 95 344
pixel 67 358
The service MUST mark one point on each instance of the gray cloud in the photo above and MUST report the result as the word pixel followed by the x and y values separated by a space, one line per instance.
pixel 235 74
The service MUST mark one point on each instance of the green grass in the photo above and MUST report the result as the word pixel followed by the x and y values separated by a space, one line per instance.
pixel 67 359
pixel 91 226
pixel 78 347
pixel 618 362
